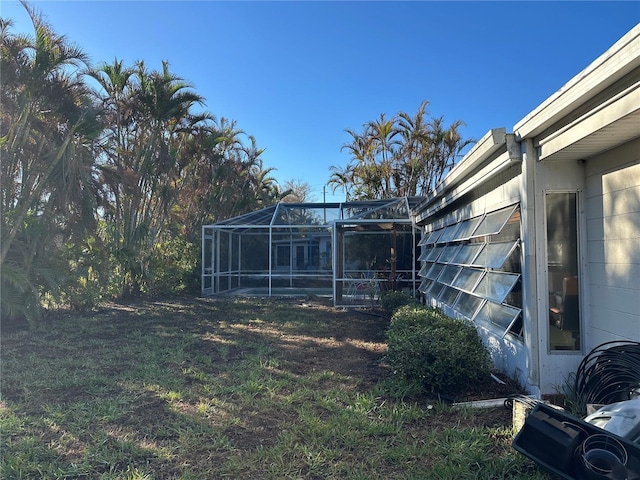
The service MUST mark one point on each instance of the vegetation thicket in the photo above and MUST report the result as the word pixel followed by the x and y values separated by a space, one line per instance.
pixel 109 171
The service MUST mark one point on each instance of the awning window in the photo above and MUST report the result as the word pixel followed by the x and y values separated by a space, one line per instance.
pixel 448 295
pixel 501 315
pixel 493 222
pixel 435 271
pixel 464 270
pixel 449 233
pixel 449 274
pixel 468 304
pixel 434 253
pixel 435 289
pixel 468 253
pixel 495 254
pixel 425 285
pixel 467 279
pixel 449 253
pixel 424 269
pixel 433 236
pixel 467 228
pixel 496 286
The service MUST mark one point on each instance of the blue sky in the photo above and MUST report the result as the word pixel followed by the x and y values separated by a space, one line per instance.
pixel 295 75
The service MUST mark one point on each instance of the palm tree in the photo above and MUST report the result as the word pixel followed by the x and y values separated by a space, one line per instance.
pixel 49 130
pixel 405 155
pixel 444 150
pixel 161 106
pixel 415 139
pixel 381 135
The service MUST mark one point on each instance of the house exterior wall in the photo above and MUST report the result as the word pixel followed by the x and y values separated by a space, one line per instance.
pixel 581 147
pixel 556 366
pixel 508 352
pixel 613 244
pixel 608 188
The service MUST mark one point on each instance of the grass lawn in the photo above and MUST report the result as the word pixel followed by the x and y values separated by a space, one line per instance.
pixel 197 388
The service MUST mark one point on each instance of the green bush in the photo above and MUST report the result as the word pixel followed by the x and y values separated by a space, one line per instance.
pixel 392 301
pixel 442 354
pixel 173 268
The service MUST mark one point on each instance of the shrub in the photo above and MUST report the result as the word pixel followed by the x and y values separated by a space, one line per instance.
pixel 392 301
pixel 173 268
pixel 442 354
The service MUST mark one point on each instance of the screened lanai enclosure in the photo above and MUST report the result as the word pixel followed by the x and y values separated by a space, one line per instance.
pixel 350 251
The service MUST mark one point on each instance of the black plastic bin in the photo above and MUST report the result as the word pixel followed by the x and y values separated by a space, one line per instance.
pixel 559 442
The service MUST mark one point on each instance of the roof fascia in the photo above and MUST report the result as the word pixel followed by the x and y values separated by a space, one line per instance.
pixel 617 61
pixel 488 172
pixel 490 143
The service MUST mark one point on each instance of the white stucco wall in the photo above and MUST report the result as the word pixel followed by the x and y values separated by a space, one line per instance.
pixel 613 244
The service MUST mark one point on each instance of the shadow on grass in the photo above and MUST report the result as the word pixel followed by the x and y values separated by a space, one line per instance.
pixel 137 385
pixel 204 388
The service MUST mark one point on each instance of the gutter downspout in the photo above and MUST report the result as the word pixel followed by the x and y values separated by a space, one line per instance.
pixel 529 199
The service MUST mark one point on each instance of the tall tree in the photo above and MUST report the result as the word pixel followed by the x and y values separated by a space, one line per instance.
pixel 416 136
pixel 296 191
pixel 443 150
pixel 403 156
pixel 381 135
pixel 148 150
pixel 47 140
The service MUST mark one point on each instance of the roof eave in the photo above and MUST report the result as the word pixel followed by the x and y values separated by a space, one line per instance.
pixel 617 61
pixel 490 143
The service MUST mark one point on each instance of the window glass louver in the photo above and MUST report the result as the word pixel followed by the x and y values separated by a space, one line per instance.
pixel 463 269
pixel 500 315
pixel 493 222
pixel 449 233
pixel 496 286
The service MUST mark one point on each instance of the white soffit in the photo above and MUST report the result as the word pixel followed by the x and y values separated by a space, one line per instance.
pixel 615 63
pixel 614 123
